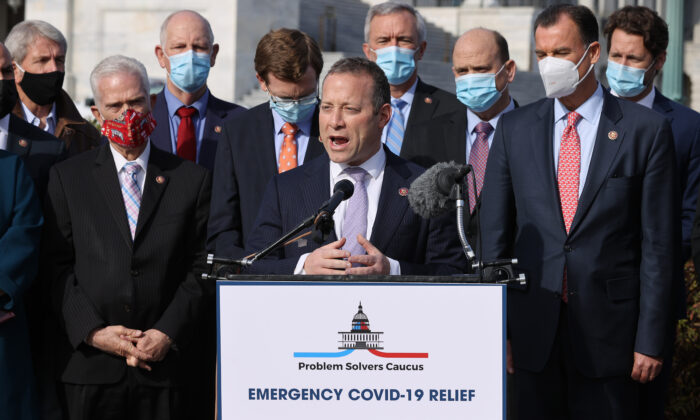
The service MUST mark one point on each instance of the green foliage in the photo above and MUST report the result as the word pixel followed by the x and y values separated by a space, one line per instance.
pixel 684 392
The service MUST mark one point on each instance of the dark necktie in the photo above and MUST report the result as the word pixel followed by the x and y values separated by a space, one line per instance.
pixel 186 140
pixel 478 155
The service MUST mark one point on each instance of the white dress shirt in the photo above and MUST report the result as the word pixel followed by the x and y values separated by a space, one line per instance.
pixel 587 129
pixel 32 119
pixel 4 131
pixel 375 168
pixel 142 160
pixel 647 101
pixel 405 111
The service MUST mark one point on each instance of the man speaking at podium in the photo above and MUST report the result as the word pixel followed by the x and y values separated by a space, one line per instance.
pixel 354 110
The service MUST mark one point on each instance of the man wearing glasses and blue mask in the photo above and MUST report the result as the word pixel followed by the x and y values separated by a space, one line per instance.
pixel 395 40
pixel 190 119
pixel 273 137
pixel 580 187
pixel 637 40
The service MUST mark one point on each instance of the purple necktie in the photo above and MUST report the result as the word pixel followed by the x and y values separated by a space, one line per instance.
pixel 478 156
pixel 131 193
pixel 355 221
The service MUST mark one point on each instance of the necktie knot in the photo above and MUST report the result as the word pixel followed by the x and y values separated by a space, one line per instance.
pixel 186 111
pixel 131 168
pixel 356 173
pixel 289 129
pixel 398 104
pixel 484 127
pixel 572 118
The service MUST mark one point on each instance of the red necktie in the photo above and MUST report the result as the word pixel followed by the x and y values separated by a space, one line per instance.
pixel 568 178
pixel 186 141
pixel 288 152
pixel 478 155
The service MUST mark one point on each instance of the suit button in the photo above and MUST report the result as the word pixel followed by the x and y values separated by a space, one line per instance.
pixel 127 308
pixel 135 273
pixel 567 248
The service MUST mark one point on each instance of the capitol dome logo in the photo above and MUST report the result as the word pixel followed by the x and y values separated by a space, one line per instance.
pixel 361 337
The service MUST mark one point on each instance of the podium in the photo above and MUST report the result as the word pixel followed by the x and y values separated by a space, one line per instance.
pixel 349 347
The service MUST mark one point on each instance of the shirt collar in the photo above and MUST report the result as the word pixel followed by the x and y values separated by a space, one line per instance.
pixel 142 160
pixel 410 93
pixel 174 104
pixel 5 124
pixel 30 117
pixel 473 119
pixel 647 101
pixel 304 125
pixel 374 165
pixel 589 110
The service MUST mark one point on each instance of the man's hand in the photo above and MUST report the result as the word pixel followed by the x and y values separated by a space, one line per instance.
pixel 509 359
pixel 374 262
pixel 328 259
pixel 155 344
pixel 119 340
pixel 646 368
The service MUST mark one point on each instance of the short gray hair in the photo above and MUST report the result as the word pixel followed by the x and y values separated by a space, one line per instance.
pixel 24 33
pixel 392 7
pixel 117 64
pixel 164 27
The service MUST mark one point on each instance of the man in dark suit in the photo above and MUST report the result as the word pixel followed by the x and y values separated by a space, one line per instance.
pixel 581 190
pixel 637 40
pixel 354 110
pixel 190 119
pixel 395 39
pixel 483 70
pixel 254 146
pixel 125 224
pixel 39 53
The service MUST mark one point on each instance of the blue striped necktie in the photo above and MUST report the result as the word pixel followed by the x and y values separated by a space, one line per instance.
pixel 131 193
pixel 394 135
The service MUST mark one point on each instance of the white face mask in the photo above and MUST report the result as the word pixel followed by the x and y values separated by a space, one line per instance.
pixel 560 76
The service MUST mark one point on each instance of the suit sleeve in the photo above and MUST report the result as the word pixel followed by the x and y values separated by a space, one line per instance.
pixel 497 201
pixel 690 194
pixel 660 243
pixel 224 232
pixel 181 316
pixel 19 243
pixel 74 308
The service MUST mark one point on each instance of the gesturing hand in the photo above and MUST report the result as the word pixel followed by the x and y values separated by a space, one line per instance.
pixel 327 259
pixel 374 262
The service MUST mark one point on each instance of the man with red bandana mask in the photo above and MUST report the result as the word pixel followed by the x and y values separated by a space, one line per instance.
pixel 125 225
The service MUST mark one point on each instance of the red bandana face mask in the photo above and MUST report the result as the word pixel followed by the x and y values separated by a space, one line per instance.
pixel 130 130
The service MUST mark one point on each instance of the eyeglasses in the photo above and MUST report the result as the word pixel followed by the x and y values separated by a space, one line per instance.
pixel 305 100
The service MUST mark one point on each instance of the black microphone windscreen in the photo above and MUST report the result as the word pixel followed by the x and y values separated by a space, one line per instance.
pixel 424 196
pixel 346 186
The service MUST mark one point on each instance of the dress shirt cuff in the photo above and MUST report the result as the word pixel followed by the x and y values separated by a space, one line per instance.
pixel 394 267
pixel 299 269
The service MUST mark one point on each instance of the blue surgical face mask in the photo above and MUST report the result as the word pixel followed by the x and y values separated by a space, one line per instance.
pixel 398 63
pixel 478 91
pixel 189 70
pixel 626 81
pixel 294 110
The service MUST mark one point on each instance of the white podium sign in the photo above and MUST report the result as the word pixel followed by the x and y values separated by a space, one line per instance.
pixel 302 350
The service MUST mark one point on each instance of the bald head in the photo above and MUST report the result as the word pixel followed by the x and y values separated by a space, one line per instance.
pixel 482 42
pixel 181 23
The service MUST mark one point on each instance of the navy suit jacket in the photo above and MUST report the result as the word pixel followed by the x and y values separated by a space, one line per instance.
pixel 218 112
pixel 245 163
pixel 620 253
pixel 38 149
pixel 422 247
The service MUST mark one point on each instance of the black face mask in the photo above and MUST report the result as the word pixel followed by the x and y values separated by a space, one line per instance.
pixel 8 96
pixel 42 88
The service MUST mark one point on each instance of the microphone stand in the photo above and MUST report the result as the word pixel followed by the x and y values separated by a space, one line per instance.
pixel 458 194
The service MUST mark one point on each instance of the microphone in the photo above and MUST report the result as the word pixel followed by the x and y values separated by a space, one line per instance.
pixel 430 193
pixel 342 190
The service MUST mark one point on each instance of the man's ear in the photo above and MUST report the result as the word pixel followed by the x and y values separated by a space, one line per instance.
pixel 96 114
pixel 261 81
pixel 214 52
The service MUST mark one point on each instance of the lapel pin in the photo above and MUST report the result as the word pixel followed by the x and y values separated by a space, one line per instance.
pixel 302 243
pixel 160 179
pixel 612 135
pixel 403 191
pixel 23 142
pixel 428 100
pixel 217 129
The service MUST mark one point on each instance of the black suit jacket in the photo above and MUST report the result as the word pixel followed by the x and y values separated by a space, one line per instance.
pixel 420 246
pixel 620 253
pixel 429 102
pixel 218 113
pixel 38 149
pixel 99 277
pixel 245 163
